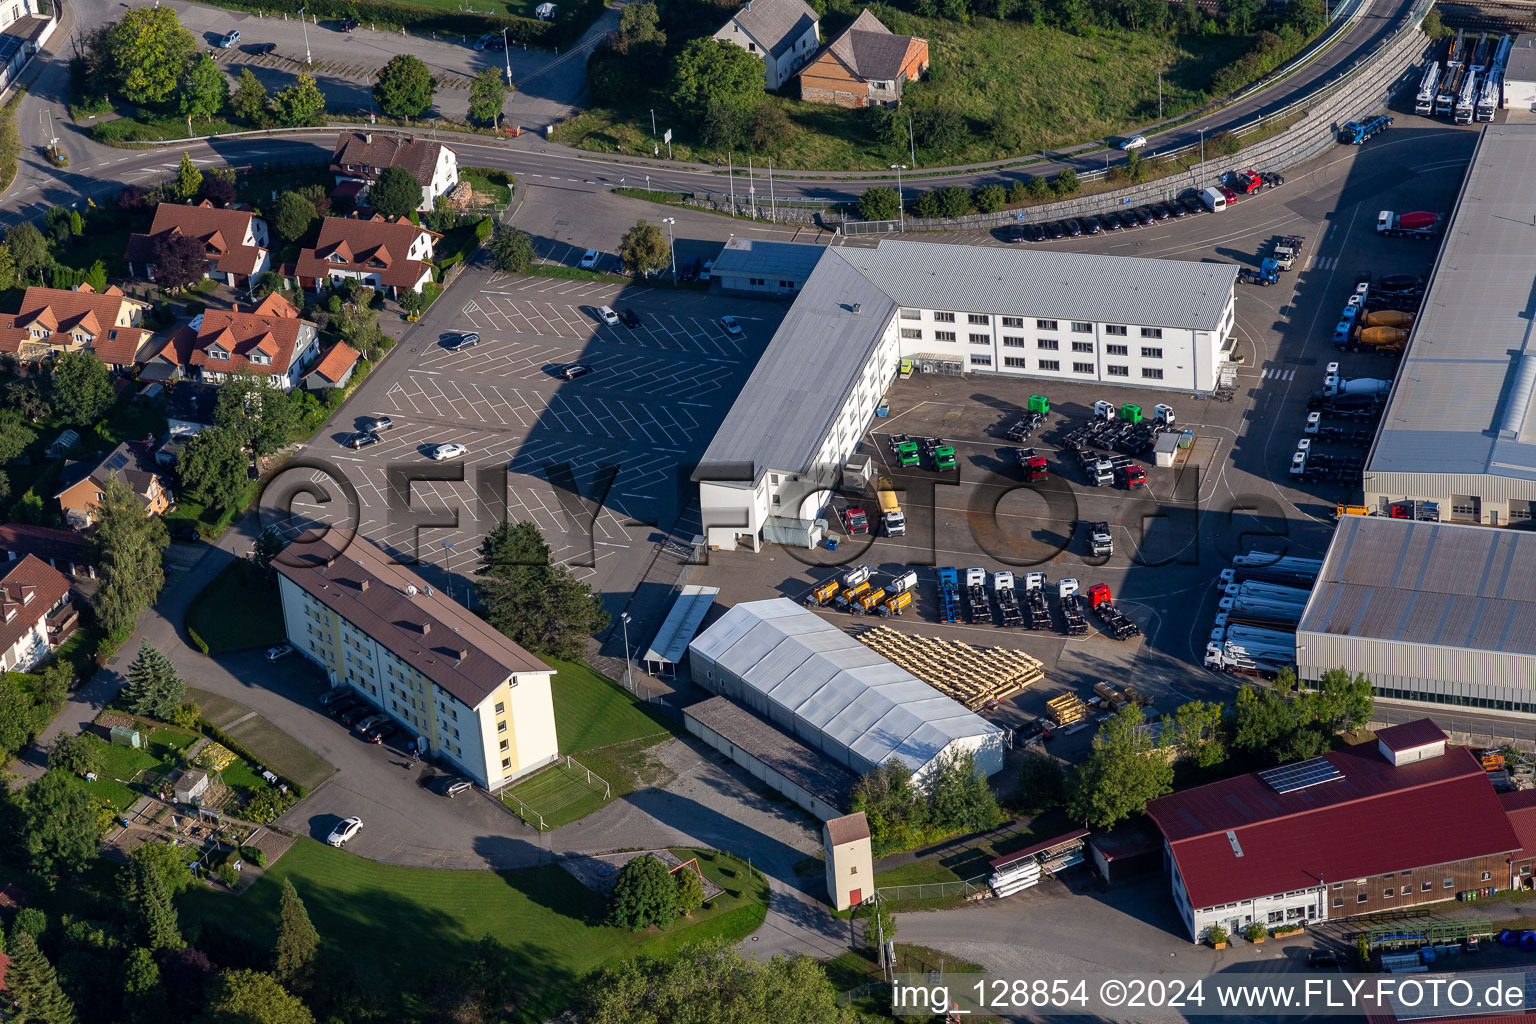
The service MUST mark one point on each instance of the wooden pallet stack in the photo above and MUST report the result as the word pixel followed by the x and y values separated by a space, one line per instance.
pixel 1067 709
pixel 970 675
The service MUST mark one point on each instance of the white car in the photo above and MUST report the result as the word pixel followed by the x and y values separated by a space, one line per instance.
pixel 451 450
pixel 280 651
pixel 1134 142
pixel 731 326
pixel 608 316
pixel 589 259
pixel 343 831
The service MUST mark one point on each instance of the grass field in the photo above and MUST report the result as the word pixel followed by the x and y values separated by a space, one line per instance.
pixel 162 752
pixel 274 748
pixel 400 926
pixel 607 731
pixel 492 188
pixel 258 624
pixel 1023 89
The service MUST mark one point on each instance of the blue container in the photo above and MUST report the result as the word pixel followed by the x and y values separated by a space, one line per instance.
pixel 831 543
pixel 882 411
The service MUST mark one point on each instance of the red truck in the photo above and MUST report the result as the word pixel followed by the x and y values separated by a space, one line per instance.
pixel 1033 464
pixel 855 520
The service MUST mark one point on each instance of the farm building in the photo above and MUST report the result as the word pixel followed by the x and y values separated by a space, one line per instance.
pixel 836 695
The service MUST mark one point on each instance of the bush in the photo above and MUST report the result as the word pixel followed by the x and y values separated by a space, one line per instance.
pixel 1217 935
pixel 229 876
pixel 1037 187
pixel 1066 183
pixel 990 198
pixel 197 641
pixel 879 203
pixel 255 855
pixel 483 228
pixel 187 714
pixel 644 894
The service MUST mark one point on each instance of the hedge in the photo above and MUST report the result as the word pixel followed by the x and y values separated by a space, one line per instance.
pixel 213 732
pixel 197 641
pixel 571 21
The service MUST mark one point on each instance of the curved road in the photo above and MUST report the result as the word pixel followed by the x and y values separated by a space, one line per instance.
pixel 96 171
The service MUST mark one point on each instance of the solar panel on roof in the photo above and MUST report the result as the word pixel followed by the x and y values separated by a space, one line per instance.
pixel 1289 778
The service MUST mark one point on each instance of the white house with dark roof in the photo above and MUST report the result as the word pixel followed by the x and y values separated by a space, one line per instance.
pixel 785 33
pixel 360 157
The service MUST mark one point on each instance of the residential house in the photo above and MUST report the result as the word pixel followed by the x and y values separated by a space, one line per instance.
pixel 393 256
pixel 785 33
pixel 360 157
pixel 55 320
pixel 271 340
pixel 455 686
pixel 82 483
pixel 335 370
pixel 31 594
pixel 64 550
pixel 234 241
pixel 866 65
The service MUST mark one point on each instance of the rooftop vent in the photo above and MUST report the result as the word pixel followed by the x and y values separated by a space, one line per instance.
pixel 362 584
pixel 857 308
pixel 426 627
pixel 410 590
pixel 1237 847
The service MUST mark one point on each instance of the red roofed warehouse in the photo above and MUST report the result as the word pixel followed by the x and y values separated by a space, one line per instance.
pixel 360 158
pixel 234 241
pixel 55 320
pixel 381 254
pixel 1378 826
pixel 270 341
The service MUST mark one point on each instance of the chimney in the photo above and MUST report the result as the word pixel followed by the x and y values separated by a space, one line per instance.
pixel 462 653
pixel 426 627
pixel 368 139
pixel 363 585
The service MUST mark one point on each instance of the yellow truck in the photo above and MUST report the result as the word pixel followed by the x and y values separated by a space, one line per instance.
pixel 890 514
pixel 1340 511
pixel 866 601
pixel 853 593
pixel 1109 695
pixel 1381 339
pixel 896 603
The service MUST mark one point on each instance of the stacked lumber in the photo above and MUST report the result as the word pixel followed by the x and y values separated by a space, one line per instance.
pixel 970 675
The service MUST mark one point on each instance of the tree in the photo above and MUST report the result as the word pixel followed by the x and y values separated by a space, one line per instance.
pixel 96 276
pixel 219 191
pixel 538 604
pixel 205 91
pixel 14 438
pixel 643 249
pixel 212 469
pixel 256 412
pixel 690 891
pixel 395 193
pixel 179 261
pixel 1344 701
pixel 143 995
pixel 15 717
pixel 7 268
pixel 990 198
pixel 1241 14
pixel 53 685
pixel 73 753
pixel 511 250
pixel 712 983
pixel 959 799
pixel 939 128
pixel 61 824
pixel 487 94
pixel 640 33
pixel 151 897
pixel 250 98
pixel 251 997
pixel 879 203
pixel 268 545
pixel 33 986
pixel 1065 183
pixel 713 70
pixel 897 815
pixel 129 545
pixel 26 398
pixel 300 105
pixel 643 895
pixel 154 688
pixel 771 126
pixel 1123 771
pixel 292 215
pixel 29 252
pixel 725 124
pixel 169 862
pixel 405 87
pixel 1196 729
pixel 1308 17
pixel 82 388
pixel 1042 783
pixel 298 944
pixel 358 323
pixel 147 52
pixel 188 178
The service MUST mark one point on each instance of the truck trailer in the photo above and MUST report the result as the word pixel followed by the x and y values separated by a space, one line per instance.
pixel 1071 607
pixel 1490 97
pixel 1034 601
pixel 949 594
pixel 976 607
pixel 1419 224
pixel 1007 599
pixel 1115 622
pixel 1450 88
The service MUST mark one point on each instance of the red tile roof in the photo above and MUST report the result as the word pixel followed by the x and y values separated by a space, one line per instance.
pixel 222 233
pixel 334 366
pixel 1410 734
pixel 53 546
pixel 1375 819
pixel 226 340
pixel 1520 807
pixel 375 246
pixel 105 316
pixel 46 585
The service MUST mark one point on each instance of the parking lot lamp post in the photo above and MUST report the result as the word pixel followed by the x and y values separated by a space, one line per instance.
pixel 653 122
pixel 629 679
pixel 901 205
pixel 304 25
pixel 671 246
pixel 1202 152
pixel 506 53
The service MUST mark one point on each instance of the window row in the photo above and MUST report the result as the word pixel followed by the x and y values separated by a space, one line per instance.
pixel 982 319
pixel 1042 344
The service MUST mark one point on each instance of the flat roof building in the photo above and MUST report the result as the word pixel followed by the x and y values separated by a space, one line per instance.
pixel 1436 613
pixel 1459 428
pixel 834 694
pixel 1033 314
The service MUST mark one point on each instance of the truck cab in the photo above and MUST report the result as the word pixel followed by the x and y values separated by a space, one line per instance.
pixel 855 520
pixel 891 516
pixel 1102 473
pixel 1100 541
pixel 1132 477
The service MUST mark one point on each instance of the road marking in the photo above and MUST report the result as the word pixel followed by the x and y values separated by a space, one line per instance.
pixel 434 373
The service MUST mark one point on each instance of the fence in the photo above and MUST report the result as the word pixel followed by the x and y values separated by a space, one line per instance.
pixel 934 890
pixel 522 810
pixel 595 782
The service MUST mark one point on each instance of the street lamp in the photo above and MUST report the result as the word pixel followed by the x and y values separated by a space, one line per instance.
pixel 629 679
pixel 303 24
pixel 671 246
pixel 1202 152
pixel 900 205
pixel 507 53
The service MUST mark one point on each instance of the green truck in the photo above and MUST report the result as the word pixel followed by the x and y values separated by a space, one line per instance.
pixel 944 457
pixel 908 453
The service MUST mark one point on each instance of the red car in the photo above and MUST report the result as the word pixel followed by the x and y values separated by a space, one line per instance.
pixel 1228 194
pixel 1247 182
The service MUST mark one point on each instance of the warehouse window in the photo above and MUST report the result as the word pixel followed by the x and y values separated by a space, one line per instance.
pixel 943 335
pixel 912 332
pixel 978 318
pixel 1276 916
pixel 1050 364
pixel 1082 346
pixel 1115 330
pixel 1407 889
pixel 1083 327
pixel 1362 897
pixel 911 314
pixel 1045 325
pixel 1151 332
pixel 1117 350
pixel 1449 882
pixel 981 339
pixel 1151 373
pixel 1486 876
pixel 1047 344
pixel 1117 371
pixel 1017 362
pixel 944 318
pixel 1387 893
pixel 981 360
pixel 1151 353
pixel 1338 901
pixel 1082 367
pixel 1013 321
pixel 1426 886
pixel 1012 341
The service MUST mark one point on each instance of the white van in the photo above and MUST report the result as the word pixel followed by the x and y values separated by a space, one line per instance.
pixel 1213 200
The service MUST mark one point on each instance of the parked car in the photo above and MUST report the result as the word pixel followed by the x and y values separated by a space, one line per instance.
pixel 377 423
pixel 343 706
pixel 691 270
pixel 1111 221
pixel 731 326
pixel 348 24
pixel 573 370
pixel 264 49
pixel 367 723
pixel 1056 229
pixel 1229 195
pixel 608 316
pixel 485 40
pixel 589 259
pixel 1324 958
pixel 1091 226
pixel 449 450
pixel 361 439
pixel 1144 215
pixel 280 651
pixel 1176 209
pixel 1134 142
pixel 467 339
pixel 344 831
pixel 1192 204
pixel 1074 228
pixel 1160 211
pixel 629 318
pixel 454 786
pixel 229 39
pixel 1015 234
pixel 380 733
pixel 1037 233
pixel 186 533
pixel 360 713
pixel 334 694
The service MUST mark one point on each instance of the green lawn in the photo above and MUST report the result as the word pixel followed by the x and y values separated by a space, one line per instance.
pixel 164 748
pixel 493 187
pixel 400 926
pixel 607 731
pixel 1022 88
pixel 258 624
pixel 272 747
pixel 923 872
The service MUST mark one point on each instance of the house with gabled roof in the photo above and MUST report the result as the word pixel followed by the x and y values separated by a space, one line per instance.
pixel 31 591
pixel 234 240
pixel 335 369
pixel 393 256
pixel 784 33
pixel 52 321
pixel 82 483
pixel 271 341
pixel 865 65
pixel 360 157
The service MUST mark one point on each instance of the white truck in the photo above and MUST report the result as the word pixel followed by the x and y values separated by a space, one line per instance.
pixel 1419 224
pixel 1424 103
pixel 1287 251
pixel 1334 385
pixel 1466 99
